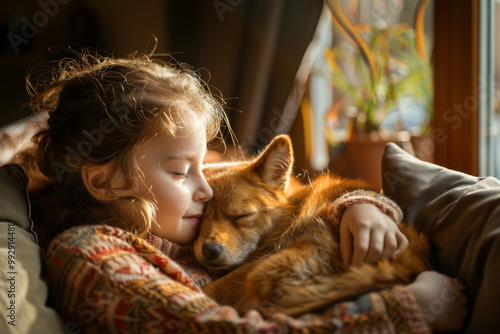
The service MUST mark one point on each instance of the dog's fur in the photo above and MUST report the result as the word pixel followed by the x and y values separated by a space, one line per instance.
pixel 278 238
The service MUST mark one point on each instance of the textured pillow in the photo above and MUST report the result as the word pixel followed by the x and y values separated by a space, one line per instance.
pixel 461 214
pixel 23 292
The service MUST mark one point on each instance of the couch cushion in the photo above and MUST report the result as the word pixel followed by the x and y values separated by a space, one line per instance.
pixel 461 214
pixel 14 206
pixel 23 292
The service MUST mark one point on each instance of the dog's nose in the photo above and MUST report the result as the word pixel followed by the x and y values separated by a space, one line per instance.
pixel 212 251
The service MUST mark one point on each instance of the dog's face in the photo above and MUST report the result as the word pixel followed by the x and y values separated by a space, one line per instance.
pixel 249 197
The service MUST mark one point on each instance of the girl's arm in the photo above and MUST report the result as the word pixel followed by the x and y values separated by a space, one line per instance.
pixel 106 279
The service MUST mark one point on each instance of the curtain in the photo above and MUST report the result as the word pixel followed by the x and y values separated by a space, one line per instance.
pixel 252 51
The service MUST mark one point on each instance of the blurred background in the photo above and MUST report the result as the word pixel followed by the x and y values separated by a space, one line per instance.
pixel 342 77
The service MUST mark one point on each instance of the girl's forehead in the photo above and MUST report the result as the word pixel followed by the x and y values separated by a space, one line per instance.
pixel 187 122
pixel 177 126
pixel 167 144
pixel 191 128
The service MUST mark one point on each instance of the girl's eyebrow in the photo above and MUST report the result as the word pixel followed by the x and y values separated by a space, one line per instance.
pixel 190 157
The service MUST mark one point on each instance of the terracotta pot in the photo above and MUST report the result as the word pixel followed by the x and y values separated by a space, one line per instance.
pixel 364 154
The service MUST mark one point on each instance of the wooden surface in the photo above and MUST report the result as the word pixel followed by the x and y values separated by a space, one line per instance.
pixel 456 79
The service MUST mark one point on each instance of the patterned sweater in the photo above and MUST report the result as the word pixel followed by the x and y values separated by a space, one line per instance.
pixel 106 280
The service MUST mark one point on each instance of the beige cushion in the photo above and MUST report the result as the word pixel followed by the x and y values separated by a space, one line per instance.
pixel 23 292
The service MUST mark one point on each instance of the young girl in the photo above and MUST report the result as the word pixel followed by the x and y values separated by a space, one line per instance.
pixel 124 147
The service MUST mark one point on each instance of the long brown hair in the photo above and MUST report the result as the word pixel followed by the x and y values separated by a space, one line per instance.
pixel 99 109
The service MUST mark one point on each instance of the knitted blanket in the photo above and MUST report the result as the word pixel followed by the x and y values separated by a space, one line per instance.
pixel 106 280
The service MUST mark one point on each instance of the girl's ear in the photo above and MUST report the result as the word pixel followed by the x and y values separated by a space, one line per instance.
pixel 95 179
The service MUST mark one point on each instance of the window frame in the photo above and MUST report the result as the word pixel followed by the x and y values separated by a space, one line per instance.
pixel 456 85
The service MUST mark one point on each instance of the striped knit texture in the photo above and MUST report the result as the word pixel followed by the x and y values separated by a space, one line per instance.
pixel 386 205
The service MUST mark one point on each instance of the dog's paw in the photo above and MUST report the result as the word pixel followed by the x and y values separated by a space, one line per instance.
pixel 268 293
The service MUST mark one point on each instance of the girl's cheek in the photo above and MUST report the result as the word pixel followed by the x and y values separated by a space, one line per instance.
pixel 177 194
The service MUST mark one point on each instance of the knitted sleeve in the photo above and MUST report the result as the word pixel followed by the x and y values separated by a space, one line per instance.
pixel 105 280
pixel 385 204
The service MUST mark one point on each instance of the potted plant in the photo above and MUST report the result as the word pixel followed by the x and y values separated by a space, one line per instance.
pixel 382 82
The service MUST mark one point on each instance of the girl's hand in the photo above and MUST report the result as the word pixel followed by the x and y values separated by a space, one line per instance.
pixel 441 300
pixel 368 235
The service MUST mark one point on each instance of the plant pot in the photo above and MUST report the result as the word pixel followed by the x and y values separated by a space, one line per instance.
pixel 363 155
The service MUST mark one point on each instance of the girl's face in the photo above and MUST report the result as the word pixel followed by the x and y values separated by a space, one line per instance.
pixel 173 177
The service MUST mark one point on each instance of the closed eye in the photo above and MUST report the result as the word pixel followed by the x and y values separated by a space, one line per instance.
pixel 243 216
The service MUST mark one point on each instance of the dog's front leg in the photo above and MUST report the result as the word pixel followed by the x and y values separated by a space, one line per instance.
pixel 230 289
pixel 284 282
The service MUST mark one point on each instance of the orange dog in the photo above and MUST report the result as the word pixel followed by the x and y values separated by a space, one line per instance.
pixel 278 238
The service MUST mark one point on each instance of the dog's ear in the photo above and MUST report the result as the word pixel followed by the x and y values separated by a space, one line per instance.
pixel 274 165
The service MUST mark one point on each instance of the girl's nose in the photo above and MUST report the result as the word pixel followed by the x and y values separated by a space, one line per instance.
pixel 204 192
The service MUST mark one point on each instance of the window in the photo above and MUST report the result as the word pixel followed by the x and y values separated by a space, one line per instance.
pixel 375 77
pixel 489 88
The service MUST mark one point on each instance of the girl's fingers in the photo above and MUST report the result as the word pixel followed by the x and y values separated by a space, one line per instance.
pixel 346 245
pixel 376 247
pixel 402 243
pixel 361 241
pixel 390 246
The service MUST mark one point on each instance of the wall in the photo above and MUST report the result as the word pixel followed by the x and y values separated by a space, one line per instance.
pixel 120 27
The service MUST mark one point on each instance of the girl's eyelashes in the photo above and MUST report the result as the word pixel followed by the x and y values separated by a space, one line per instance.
pixel 182 169
pixel 176 169
pixel 180 175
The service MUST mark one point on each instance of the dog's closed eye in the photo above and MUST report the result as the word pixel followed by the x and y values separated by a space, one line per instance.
pixel 237 218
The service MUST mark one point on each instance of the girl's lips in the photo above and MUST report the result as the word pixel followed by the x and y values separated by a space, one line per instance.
pixel 193 219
